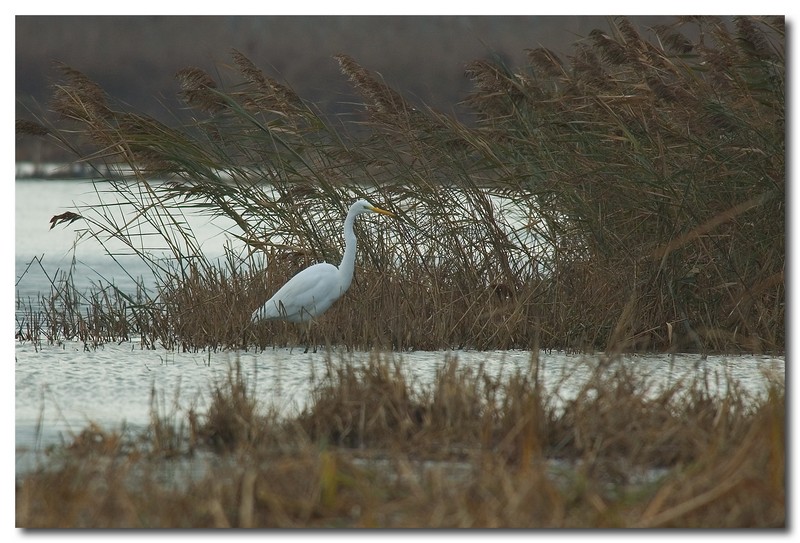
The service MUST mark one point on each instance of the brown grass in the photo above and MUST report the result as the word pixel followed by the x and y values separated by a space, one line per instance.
pixel 644 174
pixel 636 231
pixel 371 450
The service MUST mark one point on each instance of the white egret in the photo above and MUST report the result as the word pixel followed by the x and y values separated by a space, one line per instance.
pixel 313 290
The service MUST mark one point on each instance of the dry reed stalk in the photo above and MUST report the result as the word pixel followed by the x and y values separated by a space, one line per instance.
pixel 638 149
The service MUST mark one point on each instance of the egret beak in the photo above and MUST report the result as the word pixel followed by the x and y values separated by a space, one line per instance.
pixel 382 211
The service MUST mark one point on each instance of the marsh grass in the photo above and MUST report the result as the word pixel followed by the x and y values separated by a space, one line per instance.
pixel 96 316
pixel 626 196
pixel 373 449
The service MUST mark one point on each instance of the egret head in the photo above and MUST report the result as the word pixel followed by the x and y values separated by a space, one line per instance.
pixel 363 206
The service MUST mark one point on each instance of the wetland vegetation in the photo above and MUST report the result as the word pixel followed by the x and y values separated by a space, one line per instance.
pixel 628 196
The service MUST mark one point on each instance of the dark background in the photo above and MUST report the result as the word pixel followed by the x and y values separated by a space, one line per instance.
pixel 135 58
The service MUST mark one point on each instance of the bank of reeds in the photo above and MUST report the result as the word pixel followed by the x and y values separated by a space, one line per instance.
pixel 371 449
pixel 626 196
pixel 94 317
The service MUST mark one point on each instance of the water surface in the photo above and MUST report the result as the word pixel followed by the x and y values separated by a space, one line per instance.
pixel 67 246
pixel 60 389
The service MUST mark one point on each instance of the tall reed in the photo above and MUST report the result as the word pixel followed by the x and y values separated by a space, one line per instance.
pixel 627 196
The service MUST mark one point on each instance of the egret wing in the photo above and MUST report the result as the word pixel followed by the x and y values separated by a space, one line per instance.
pixel 304 296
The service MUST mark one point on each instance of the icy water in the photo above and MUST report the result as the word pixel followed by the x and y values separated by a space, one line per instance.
pixel 60 389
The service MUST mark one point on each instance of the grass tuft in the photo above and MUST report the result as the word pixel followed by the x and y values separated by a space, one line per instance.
pixel 374 450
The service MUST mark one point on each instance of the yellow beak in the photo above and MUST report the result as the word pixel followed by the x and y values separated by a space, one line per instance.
pixel 382 211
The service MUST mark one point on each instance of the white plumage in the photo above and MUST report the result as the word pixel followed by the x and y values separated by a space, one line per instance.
pixel 313 290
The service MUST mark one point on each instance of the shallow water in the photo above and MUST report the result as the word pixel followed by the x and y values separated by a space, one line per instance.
pixel 61 389
pixel 36 201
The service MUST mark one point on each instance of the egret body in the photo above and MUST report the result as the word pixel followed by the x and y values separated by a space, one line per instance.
pixel 313 290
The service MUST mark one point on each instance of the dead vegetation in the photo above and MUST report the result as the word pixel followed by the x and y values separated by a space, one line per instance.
pixel 370 450
pixel 626 196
